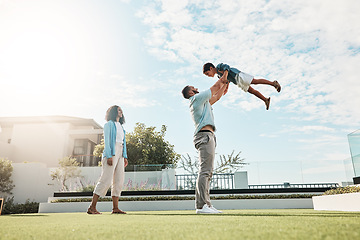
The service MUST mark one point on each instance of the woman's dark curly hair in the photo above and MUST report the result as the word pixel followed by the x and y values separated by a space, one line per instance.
pixel 112 113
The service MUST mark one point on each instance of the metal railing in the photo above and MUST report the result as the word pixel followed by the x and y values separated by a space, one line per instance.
pixel 226 181
pixel 218 181
pixel 295 185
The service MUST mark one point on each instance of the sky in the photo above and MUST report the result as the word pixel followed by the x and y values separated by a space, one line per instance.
pixel 77 58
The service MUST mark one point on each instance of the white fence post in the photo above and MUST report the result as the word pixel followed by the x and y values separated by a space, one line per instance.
pixel 241 180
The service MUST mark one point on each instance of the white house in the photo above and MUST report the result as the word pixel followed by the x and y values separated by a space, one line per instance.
pixel 48 139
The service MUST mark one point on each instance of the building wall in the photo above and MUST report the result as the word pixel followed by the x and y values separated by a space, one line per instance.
pixel 45 140
pixel 45 143
pixel 5 135
pixel 6 150
pixel 32 182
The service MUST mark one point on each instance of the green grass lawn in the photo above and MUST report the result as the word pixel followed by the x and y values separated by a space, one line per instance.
pixel 232 224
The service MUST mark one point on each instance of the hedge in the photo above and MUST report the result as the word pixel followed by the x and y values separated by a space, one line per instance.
pixel 343 190
pixel 179 198
pixel 10 207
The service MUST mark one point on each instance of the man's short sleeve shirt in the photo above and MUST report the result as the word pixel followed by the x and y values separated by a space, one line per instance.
pixel 201 110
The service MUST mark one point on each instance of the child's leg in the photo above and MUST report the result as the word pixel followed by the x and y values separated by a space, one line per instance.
pixel 259 95
pixel 275 84
pixel 262 81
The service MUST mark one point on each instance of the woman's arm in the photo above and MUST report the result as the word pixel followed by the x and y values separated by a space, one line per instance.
pixel 107 141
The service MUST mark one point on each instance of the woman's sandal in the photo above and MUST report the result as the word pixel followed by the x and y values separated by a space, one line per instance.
pixel 117 211
pixel 92 211
pixel 267 103
pixel 277 86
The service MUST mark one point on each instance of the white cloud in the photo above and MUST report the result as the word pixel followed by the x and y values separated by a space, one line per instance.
pixel 315 146
pixel 130 93
pixel 312 48
pixel 330 168
pixel 310 129
pixel 269 135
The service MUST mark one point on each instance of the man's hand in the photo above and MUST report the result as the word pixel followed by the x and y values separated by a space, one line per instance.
pixel 224 77
pixel 226 89
pixel 110 161
pixel 219 83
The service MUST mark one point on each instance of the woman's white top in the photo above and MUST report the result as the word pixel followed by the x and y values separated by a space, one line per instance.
pixel 119 132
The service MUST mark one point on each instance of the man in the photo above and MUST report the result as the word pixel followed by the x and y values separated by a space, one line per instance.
pixel 204 139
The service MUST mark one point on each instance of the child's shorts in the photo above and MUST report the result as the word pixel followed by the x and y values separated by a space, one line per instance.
pixel 243 80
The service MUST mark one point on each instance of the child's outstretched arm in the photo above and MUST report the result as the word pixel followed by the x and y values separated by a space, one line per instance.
pixel 219 93
pixel 223 69
pixel 225 75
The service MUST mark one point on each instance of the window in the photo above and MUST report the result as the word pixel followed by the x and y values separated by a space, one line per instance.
pixel 80 146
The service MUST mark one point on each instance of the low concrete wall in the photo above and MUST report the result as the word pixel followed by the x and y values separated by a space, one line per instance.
pixel 33 181
pixel 164 179
pixel 296 203
pixel 338 202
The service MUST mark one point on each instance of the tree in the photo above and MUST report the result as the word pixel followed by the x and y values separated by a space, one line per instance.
pixel 99 149
pixel 6 184
pixel 69 169
pixel 145 145
pixel 227 164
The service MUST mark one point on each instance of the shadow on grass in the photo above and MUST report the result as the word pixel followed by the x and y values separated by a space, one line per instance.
pixel 27 215
pixel 327 215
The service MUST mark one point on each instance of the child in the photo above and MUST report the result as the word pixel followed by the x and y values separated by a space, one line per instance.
pixel 241 79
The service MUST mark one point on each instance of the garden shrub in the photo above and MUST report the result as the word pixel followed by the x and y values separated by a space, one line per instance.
pixel 342 190
pixel 6 184
pixel 10 207
pixel 88 188
pixel 179 198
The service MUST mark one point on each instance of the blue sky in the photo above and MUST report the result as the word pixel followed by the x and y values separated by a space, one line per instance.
pixel 77 58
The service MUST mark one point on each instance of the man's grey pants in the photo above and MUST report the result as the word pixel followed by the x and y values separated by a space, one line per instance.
pixel 205 143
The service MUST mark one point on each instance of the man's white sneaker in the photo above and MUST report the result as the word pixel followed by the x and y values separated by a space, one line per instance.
pixel 206 210
pixel 214 209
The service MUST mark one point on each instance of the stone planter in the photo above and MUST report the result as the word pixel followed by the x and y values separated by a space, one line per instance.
pixel 338 202
pixel 298 203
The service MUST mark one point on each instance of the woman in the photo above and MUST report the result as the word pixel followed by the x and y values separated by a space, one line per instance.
pixel 114 160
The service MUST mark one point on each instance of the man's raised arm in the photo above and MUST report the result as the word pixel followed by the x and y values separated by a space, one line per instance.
pixel 216 87
pixel 216 97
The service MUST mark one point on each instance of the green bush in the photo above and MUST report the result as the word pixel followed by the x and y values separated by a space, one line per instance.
pixel 342 190
pixel 6 169
pixel 10 207
pixel 169 198
pixel 88 188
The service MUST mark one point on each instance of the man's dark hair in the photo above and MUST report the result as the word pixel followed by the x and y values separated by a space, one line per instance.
pixel 185 92
pixel 207 67
pixel 112 113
